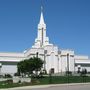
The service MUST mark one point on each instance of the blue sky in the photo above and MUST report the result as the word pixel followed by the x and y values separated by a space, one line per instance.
pixel 68 24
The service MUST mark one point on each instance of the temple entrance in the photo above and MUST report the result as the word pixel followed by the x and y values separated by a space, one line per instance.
pixel 52 70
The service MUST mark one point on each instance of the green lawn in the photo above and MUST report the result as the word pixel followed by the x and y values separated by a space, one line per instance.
pixel 10 84
pixel 63 79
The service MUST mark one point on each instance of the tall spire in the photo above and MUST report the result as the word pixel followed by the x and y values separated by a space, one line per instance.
pixel 41 39
pixel 41 18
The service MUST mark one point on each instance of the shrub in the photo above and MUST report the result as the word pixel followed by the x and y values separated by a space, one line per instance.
pixel 8 76
pixel 69 73
pixel 9 81
pixel 16 74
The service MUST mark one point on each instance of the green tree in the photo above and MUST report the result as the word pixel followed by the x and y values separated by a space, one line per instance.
pixel 37 64
pixel 27 66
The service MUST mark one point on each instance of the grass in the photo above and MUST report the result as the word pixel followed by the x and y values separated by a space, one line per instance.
pixel 63 79
pixel 10 84
pixel 48 80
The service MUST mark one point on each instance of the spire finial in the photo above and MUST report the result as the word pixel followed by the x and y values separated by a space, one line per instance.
pixel 41 5
pixel 42 18
pixel 41 8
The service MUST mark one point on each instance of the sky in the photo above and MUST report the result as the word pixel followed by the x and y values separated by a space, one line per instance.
pixel 68 24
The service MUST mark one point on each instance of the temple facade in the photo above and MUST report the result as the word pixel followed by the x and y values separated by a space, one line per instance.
pixel 55 58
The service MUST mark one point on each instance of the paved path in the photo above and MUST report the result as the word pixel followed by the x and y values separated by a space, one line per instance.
pixel 79 87
pixel 55 87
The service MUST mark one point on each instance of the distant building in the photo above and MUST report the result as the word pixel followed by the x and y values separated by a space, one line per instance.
pixel 56 59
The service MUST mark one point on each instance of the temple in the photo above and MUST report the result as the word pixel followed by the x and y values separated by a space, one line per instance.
pixel 56 59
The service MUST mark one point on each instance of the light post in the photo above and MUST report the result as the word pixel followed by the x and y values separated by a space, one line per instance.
pixel 68 66
pixel 68 62
pixel 0 68
pixel 37 59
pixel 37 54
pixel 59 52
pixel 50 76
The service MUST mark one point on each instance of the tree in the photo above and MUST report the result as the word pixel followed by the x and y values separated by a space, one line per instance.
pixel 27 66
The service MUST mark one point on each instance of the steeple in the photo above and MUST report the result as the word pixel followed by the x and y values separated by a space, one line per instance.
pixel 41 18
pixel 41 39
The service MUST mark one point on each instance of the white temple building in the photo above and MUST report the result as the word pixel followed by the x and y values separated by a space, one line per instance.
pixel 56 59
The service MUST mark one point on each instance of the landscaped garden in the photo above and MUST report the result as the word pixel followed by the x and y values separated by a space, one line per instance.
pixel 47 80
